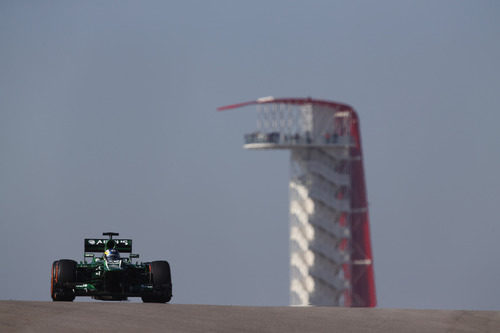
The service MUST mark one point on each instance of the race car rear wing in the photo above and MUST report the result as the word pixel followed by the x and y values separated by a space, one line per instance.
pixel 100 245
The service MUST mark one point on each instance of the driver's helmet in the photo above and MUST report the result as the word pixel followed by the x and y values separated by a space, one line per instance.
pixel 112 254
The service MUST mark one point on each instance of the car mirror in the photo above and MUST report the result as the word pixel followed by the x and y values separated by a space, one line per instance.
pixel 88 255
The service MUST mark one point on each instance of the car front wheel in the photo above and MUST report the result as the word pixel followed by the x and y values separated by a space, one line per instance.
pixel 62 277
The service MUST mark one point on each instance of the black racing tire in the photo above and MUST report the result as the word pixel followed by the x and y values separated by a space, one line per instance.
pixel 63 273
pixel 161 279
pixel 53 278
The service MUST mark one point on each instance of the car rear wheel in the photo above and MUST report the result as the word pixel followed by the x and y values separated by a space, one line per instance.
pixel 160 278
pixel 63 276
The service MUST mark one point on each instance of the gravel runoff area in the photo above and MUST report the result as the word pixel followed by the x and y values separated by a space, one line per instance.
pixel 30 316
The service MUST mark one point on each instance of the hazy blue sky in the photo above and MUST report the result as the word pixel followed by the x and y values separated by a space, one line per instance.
pixel 108 123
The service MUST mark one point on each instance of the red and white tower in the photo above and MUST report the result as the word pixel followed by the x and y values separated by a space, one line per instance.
pixel 330 251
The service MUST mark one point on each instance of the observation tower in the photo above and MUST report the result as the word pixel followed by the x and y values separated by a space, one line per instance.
pixel 331 260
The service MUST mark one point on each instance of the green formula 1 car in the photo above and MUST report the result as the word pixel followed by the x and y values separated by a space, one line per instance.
pixel 110 276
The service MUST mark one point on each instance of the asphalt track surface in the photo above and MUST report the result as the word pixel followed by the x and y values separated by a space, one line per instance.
pixel 24 316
